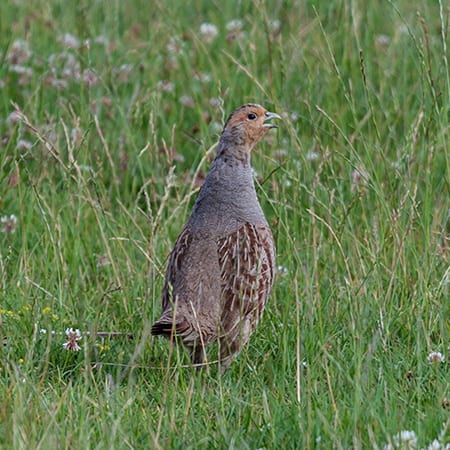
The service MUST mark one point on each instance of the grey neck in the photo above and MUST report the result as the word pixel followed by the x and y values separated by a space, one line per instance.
pixel 228 196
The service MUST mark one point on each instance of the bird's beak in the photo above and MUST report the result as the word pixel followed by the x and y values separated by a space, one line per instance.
pixel 270 115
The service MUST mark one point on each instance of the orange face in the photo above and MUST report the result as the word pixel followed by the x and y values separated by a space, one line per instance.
pixel 249 124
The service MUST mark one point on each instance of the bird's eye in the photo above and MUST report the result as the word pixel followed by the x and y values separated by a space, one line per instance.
pixel 252 116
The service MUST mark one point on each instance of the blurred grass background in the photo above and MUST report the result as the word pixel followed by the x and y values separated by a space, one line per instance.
pixel 109 112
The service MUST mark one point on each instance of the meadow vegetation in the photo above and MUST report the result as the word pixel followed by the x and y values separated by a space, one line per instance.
pixel 109 114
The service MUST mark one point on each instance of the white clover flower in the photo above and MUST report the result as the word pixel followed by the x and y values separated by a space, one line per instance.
pixel 89 77
pixel 19 52
pixel 56 83
pixel 282 270
pixel 14 117
pixel 235 25
pixel 215 127
pixel 274 25
pixel 312 156
pixel 436 358
pixel 103 260
pixel 208 32
pixel 405 440
pixel 203 77
pixel 73 336
pixel 403 29
pixel 8 224
pixel 123 72
pixel 70 41
pixel 101 39
pixel 215 102
pixel 21 70
pixel 71 69
pixel 435 445
pixel 382 41
pixel 175 46
pixel 165 86
pixel 187 100
pixel 23 144
pixel 280 153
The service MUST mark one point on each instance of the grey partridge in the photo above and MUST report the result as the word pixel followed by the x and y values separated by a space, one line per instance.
pixel 221 269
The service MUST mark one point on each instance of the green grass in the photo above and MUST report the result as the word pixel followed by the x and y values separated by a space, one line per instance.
pixel 355 184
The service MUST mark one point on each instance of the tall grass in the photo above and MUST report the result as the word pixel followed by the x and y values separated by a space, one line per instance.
pixel 109 113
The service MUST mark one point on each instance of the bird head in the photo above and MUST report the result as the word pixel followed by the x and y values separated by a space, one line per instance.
pixel 247 126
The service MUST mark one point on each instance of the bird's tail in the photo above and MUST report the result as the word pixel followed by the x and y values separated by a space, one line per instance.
pixel 166 326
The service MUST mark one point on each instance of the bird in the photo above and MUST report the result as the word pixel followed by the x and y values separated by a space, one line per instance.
pixel 221 269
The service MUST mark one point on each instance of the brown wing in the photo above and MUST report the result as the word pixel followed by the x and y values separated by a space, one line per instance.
pixel 175 260
pixel 247 260
pixel 165 325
